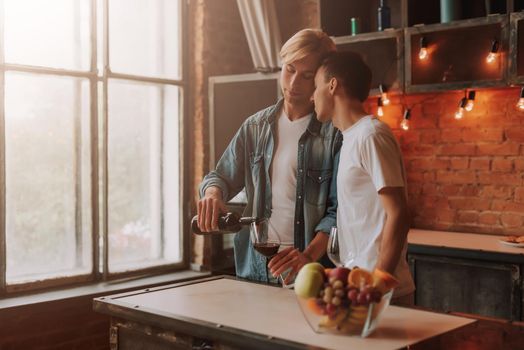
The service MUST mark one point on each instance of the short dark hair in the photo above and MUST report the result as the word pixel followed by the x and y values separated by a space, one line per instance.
pixel 352 72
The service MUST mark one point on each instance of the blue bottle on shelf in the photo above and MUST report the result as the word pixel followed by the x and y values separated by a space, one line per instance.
pixel 384 16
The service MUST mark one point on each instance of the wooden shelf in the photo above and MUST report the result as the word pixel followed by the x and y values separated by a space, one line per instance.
pixel 457 55
pixel 383 52
pixel 516 49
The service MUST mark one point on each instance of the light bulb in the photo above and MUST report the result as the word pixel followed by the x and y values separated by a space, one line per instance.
pixel 520 104
pixel 423 53
pixel 385 99
pixel 460 113
pixel 380 111
pixel 405 124
pixel 491 57
pixel 469 106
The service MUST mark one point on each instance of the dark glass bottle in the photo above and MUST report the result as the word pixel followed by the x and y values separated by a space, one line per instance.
pixel 228 222
pixel 384 16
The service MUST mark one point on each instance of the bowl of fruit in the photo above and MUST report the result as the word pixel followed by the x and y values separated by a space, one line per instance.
pixel 343 300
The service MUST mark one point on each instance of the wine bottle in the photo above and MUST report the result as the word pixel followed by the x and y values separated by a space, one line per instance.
pixel 227 223
pixel 384 16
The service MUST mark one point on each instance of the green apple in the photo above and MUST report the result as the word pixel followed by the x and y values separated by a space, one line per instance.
pixel 313 266
pixel 308 282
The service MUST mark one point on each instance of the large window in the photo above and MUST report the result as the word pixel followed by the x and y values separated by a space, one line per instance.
pixel 91 96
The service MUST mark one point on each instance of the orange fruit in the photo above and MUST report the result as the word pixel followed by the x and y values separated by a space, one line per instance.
pixel 360 278
pixel 384 281
pixel 312 305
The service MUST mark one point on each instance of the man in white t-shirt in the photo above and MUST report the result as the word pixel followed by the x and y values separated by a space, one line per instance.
pixel 372 215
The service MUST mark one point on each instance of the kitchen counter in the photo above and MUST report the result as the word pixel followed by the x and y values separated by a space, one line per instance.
pixel 465 241
pixel 246 315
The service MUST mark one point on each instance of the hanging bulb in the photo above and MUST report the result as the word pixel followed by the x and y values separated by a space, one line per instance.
pixel 405 121
pixel 493 52
pixel 460 113
pixel 384 95
pixel 520 103
pixel 471 101
pixel 423 53
pixel 380 110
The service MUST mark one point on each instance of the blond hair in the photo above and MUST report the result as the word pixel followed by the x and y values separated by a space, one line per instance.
pixel 306 42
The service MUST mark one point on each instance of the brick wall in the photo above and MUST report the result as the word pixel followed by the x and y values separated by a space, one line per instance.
pixel 68 324
pixel 463 175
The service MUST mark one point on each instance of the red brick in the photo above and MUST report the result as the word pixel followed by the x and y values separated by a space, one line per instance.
pixel 446 215
pixel 430 136
pixel 519 194
pixel 429 164
pixel 451 190
pixel 515 134
pixel 409 137
pixel 469 203
pixel 451 135
pixel 432 107
pixel 418 150
pixel 519 164
pixel 482 135
pixel 503 165
pixel 429 190
pixel 470 190
pixel 479 163
pixel 498 192
pixel 492 178
pixel 457 150
pixel 429 176
pixel 415 176
pixel 505 149
pixel 456 177
pixel 505 206
pixel 511 220
pixel 459 163
pixel 469 217
pixel 489 218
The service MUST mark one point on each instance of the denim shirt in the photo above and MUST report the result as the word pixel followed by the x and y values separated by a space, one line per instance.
pixel 246 164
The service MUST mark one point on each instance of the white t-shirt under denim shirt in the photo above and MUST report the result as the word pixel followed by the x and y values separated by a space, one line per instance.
pixel 370 159
pixel 284 178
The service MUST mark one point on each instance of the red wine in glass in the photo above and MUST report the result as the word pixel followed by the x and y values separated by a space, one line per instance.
pixel 267 249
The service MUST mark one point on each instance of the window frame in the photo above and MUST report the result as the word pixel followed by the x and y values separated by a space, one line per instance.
pixel 99 223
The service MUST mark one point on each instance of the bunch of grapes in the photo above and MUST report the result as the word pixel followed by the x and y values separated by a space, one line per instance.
pixel 340 292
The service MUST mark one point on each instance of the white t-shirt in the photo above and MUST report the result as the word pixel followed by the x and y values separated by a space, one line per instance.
pixel 284 177
pixel 370 159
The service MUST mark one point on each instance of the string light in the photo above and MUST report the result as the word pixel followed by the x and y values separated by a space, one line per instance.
pixel 405 121
pixel 423 53
pixel 384 95
pixel 471 101
pixel 520 103
pixel 460 113
pixel 380 111
pixel 493 52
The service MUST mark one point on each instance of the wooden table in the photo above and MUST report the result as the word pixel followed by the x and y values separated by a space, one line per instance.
pixel 235 314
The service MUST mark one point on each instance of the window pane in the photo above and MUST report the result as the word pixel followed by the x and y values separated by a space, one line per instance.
pixel 144 37
pixel 48 191
pixel 143 209
pixel 52 33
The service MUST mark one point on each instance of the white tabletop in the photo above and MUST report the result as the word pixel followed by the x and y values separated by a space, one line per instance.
pixel 275 312
pixel 471 241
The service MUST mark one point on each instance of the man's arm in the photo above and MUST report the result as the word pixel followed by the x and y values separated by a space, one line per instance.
pixel 222 184
pixel 396 227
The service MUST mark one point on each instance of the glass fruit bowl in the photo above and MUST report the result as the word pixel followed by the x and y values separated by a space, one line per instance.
pixel 343 301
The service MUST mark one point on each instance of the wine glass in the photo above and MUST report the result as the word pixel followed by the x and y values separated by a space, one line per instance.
pixel 263 243
pixel 333 250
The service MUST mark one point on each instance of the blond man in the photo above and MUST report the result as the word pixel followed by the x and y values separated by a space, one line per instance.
pixel 283 157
